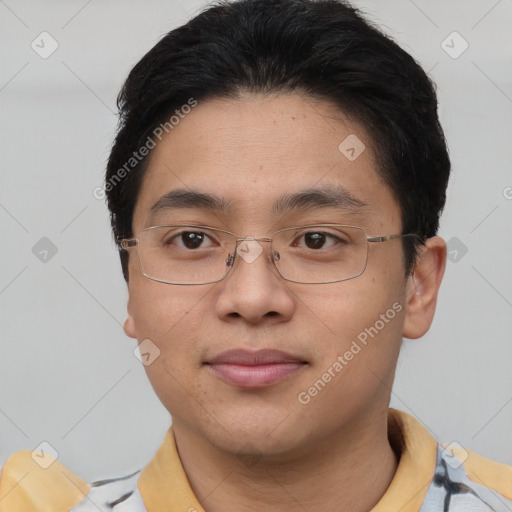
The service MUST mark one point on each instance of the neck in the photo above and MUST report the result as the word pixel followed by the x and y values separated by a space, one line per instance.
pixel 349 470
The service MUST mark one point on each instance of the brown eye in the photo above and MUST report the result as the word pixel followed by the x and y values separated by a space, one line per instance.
pixel 314 240
pixel 192 239
pixel 188 240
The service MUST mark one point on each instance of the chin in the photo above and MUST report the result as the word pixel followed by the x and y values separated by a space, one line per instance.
pixel 269 433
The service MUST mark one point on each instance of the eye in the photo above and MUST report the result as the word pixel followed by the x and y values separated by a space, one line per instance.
pixel 188 239
pixel 318 240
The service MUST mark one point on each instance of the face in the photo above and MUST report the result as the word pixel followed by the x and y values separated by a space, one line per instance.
pixel 250 153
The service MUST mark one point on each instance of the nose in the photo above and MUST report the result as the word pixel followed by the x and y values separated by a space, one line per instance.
pixel 253 289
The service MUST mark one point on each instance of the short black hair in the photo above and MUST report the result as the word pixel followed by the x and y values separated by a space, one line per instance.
pixel 324 48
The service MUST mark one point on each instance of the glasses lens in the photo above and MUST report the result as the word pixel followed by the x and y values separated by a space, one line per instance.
pixel 185 254
pixel 181 254
pixel 320 254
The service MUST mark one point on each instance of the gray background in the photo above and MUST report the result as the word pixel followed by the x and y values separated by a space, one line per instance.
pixel 68 375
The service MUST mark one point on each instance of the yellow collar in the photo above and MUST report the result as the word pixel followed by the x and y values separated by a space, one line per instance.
pixel 164 485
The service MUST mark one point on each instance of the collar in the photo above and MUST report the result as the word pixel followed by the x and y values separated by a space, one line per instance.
pixel 164 485
pixel 417 450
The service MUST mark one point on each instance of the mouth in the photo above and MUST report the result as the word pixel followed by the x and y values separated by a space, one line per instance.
pixel 259 369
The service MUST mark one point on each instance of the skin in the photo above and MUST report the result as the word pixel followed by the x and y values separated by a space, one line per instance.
pixel 261 449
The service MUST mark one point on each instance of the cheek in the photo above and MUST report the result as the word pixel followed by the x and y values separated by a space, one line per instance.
pixel 358 326
pixel 168 315
pixel 172 320
pixel 342 312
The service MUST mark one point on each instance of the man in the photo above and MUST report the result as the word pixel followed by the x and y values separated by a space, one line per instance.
pixel 275 190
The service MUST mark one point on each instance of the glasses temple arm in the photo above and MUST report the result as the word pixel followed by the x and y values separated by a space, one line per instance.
pixel 126 243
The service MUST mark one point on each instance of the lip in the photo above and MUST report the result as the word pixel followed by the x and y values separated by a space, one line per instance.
pixel 246 369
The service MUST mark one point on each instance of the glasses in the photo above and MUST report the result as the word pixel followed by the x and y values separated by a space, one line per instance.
pixel 193 255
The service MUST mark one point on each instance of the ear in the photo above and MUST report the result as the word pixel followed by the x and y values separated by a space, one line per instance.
pixel 422 288
pixel 129 323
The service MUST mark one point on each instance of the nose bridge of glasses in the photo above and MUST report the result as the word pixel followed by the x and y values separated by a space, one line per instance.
pixel 241 239
pixel 251 250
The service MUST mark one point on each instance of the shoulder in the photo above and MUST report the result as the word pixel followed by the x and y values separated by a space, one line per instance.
pixel 464 480
pixel 483 471
pixel 36 481
pixel 460 479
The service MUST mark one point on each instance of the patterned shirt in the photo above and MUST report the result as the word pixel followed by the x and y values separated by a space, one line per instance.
pixel 430 478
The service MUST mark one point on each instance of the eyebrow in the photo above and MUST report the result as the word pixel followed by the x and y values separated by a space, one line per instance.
pixel 328 196
pixel 181 198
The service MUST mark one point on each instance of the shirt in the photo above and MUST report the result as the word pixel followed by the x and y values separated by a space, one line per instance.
pixel 430 478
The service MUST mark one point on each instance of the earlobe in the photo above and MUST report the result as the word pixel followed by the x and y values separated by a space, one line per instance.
pixel 422 288
pixel 129 323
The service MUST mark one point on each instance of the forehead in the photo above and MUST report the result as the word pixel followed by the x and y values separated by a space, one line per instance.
pixel 258 156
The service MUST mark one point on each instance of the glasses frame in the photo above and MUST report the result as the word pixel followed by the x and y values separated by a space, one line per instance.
pixel 126 243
